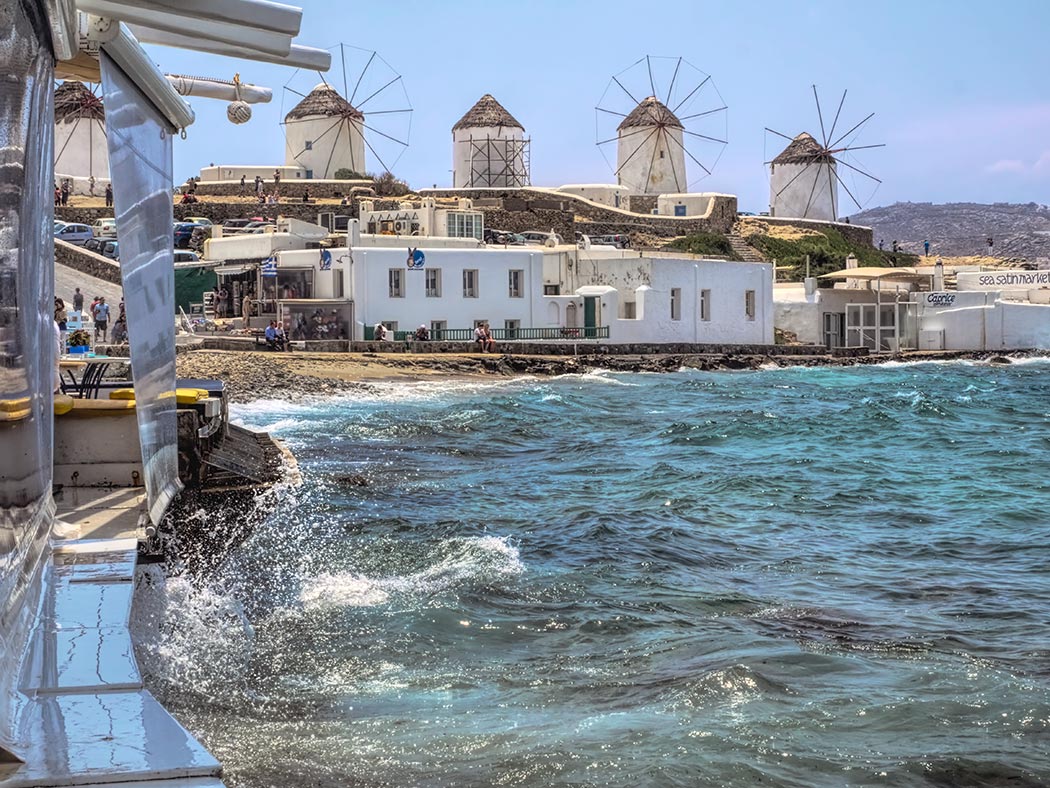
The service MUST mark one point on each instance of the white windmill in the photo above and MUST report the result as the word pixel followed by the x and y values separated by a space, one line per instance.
pixel 489 148
pixel 666 113
pixel 81 153
pixel 804 177
pixel 328 131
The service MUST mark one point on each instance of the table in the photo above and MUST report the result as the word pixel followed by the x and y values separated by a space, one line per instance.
pixel 91 368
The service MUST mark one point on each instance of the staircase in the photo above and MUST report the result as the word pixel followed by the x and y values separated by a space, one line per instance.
pixel 744 250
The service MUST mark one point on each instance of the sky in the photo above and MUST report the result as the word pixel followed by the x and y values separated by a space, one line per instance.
pixel 960 90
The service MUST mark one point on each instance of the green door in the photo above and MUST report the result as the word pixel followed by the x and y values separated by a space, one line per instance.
pixel 590 317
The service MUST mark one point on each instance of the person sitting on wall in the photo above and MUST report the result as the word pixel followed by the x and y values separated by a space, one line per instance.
pixel 274 337
pixel 422 334
pixel 306 195
pixel 379 332
pixel 489 342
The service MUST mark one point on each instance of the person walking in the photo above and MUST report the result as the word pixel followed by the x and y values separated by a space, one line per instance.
pixel 109 195
pixel 276 179
pixel 91 185
pixel 78 301
pixel 242 186
pixel 101 315
pixel 881 243
pixel 65 192
pixel 258 185
pixel 926 246
pixel 224 302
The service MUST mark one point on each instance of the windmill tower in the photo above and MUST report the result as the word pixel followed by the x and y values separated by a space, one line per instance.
pixel 802 181
pixel 489 148
pixel 805 176
pixel 80 137
pixel 323 133
pixel 680 116
pixel 650 154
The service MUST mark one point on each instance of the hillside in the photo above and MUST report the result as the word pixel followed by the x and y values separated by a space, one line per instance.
pixel 1018 231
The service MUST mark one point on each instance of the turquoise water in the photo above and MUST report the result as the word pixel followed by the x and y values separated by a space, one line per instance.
pixel 798 577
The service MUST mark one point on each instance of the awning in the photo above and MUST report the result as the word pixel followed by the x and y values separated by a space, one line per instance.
pixel 902 274
pixel 234 269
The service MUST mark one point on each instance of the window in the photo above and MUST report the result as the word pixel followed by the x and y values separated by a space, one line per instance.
pixel 705 305
pixel 514 283
pixel 511 327
pixel 437 329
pixel 552 289
pixel 470 283
pixel 310 146
pixel 630 311
pixel 433 282
pixel 676 303
pixel 391 325
pixel 337 283
pixel 459 224
pixel 397 288
pixel 749 304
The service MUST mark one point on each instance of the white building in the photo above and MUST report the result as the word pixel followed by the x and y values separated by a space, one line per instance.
pixel 80 138
pixel 650 154
pixel 802 182
pixel 689 204
pixel 324 133
pixel 423 218
pixel 489 148
pixel 565 294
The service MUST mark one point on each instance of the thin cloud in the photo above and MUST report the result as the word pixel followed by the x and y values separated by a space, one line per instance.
pixel 1006 165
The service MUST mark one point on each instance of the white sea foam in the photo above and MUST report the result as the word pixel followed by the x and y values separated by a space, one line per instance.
pixel 465 562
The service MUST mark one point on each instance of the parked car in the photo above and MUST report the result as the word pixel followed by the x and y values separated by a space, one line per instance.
pixel 95 245
pixel 104 228
pixel 111 249
pixel 259 227
pixel 183 232
pixel 186 256
pixel 74 233
pixel 234 226
pixel 619 241
pixel 539 237
pixel 491 236
pixel 204 221
pixel 58 226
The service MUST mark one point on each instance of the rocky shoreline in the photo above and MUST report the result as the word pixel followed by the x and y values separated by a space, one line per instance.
pixel 261 375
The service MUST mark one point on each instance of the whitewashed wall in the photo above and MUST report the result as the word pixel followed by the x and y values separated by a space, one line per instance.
pixel 333 148
pixel 370 288
pixel 640 166
pixel 81 152
pixel 809 195
pixel 462 148
pixel 602 193
pixel 696 204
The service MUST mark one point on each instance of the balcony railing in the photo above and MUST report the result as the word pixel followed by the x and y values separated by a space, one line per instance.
pixel 503 334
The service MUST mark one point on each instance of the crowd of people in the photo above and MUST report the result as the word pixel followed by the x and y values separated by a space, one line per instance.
pixel 482 336
pixel 100 314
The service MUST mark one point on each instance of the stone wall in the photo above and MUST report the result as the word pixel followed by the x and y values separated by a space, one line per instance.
pixel 80 259
pixel 218 212
pixel 289 188
pixel 218 342
pixel 588 217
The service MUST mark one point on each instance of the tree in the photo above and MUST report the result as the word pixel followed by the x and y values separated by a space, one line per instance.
pixel 387 185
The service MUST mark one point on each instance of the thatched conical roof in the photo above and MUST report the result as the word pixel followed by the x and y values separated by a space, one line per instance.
pixel 650 112
pixel 73 100
pixel 324 101
pixel 803 150
pixel 486 113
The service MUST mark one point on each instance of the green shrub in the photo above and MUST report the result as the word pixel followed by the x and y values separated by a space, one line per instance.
pixel 344 174
pixel 387 185
pixel 827 252
pixel 703 244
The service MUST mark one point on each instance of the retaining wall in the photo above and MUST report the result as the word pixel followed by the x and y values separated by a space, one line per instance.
pixel 80 259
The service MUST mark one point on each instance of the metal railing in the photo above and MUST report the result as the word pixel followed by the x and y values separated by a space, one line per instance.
pixel 503 334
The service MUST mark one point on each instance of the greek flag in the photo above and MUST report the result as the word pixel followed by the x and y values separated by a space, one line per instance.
pixel 269 266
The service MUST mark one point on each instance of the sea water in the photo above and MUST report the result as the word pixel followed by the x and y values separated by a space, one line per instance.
pixel 797 577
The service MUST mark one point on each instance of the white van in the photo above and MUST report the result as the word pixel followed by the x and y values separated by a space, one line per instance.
pixel 104 228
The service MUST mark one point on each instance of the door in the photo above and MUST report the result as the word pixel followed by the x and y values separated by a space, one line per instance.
pixel 834 324
pixel 590 317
